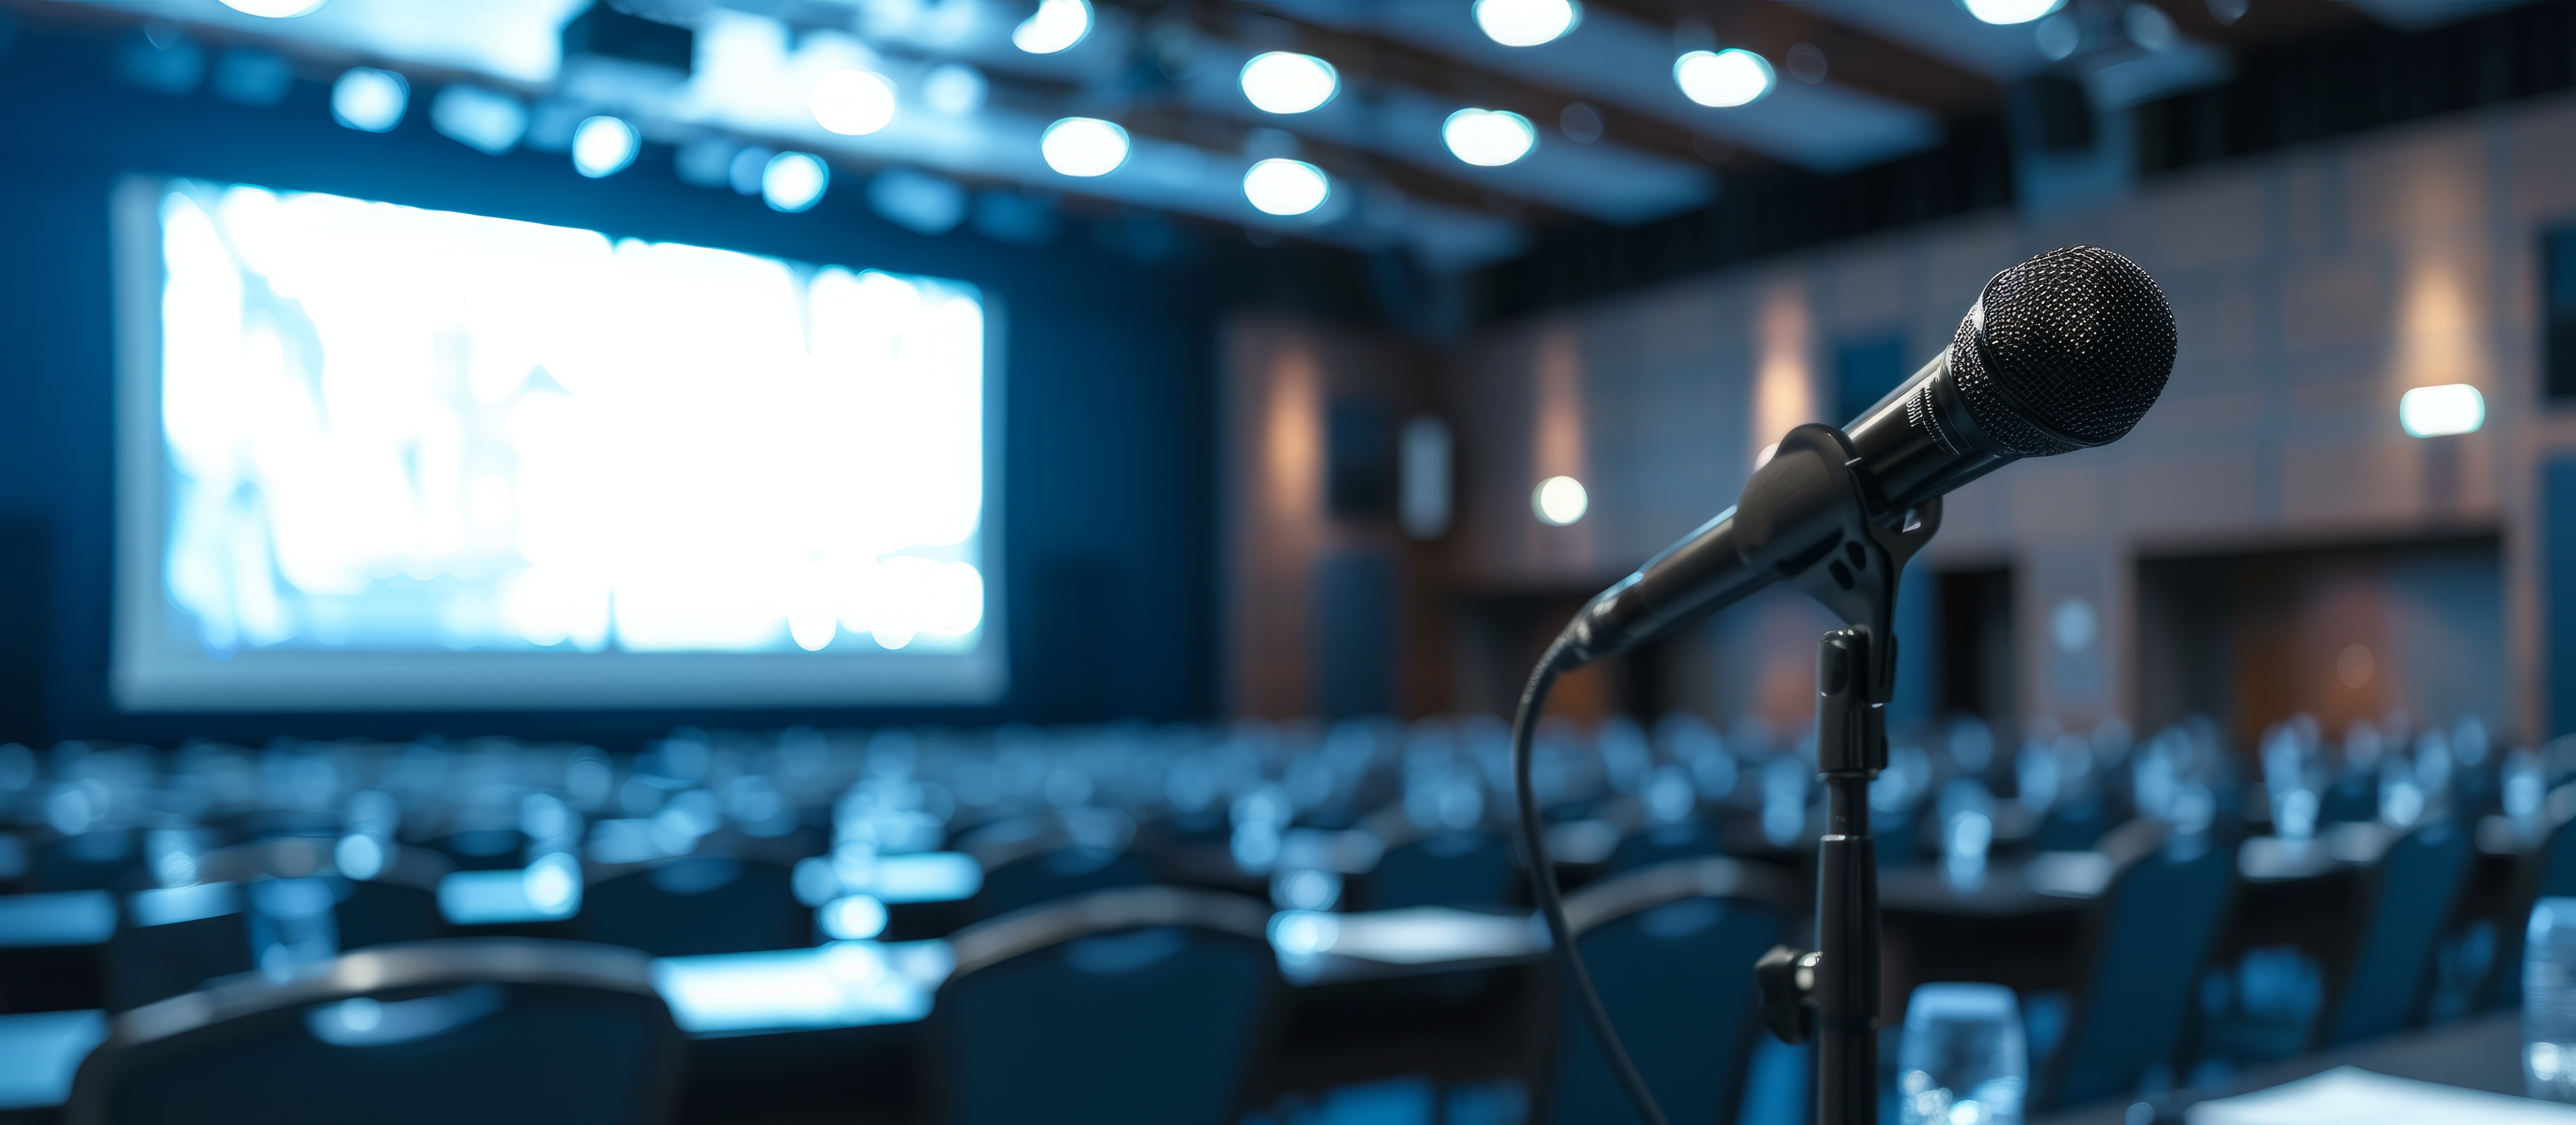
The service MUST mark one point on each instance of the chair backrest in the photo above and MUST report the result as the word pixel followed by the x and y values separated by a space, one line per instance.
pixel 494 1031
pixel 1465 869
pixel 2147 938
pixel 697 905
pixel 170 941
pixel 2412 889
pixel 1671 949
pixel 393 898
pixel 1138 1006
pixel 1656 844
pixel 1055 875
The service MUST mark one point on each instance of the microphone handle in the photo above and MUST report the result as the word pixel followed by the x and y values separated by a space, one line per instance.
pixel 1916 444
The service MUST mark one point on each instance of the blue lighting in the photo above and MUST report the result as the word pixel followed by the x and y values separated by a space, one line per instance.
pixel 369 99
pixel 603 146
pixel 545 891
pixel 844 984
pixel 479 119
pixel 794 181
pixel 56 918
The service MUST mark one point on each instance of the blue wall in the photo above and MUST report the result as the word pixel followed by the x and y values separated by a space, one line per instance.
pixel 1108 510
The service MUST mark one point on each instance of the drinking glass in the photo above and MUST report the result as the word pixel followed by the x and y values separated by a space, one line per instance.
pixel 2549 1001
pixel 1963 1061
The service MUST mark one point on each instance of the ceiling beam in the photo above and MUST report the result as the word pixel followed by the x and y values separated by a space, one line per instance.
pixel 1364 58
pixel 2264 21
pixel 1349 167
pixel 1853 57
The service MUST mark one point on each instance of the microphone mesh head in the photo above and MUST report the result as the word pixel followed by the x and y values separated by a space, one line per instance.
pixel 2064 351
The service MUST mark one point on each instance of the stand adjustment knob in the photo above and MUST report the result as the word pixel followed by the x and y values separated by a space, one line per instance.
pixel 1787 976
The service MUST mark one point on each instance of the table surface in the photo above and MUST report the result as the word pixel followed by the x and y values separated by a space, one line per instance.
pixel 2484 1053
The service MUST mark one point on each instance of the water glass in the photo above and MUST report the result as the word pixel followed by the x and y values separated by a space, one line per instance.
pixel 2549 1001
pixel 1963 1061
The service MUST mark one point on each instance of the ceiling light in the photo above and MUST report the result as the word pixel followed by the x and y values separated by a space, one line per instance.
pixel 955 89
pixel 1084 146
pixel 1720 79
pixel 602 146
pixel 1559 501
pixel 793 181
pixel 2010 11
pixel 853 103
pixel 1057 25
pixel 1280 186
pixel 1288 82
pixel 273 9
pixel 2452 408
pixel 1488 138
pixel 369 99
pixel 1527 23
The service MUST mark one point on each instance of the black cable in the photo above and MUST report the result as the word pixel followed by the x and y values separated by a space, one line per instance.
pixel 1551 904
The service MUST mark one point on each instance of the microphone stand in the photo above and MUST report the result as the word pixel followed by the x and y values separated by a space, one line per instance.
pixel 1831 995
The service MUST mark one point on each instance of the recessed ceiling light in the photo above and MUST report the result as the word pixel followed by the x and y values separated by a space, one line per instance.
pixel 1488 138
pixel 853 103
pixel 1722 79
pixel 1288 82
pixel 1084 146
pixel 1058 24
pixel 2010 11
pixel 1527 23
pixel 1280 186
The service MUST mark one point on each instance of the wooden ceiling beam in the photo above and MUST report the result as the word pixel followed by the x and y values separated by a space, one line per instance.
pixel 1854 57
pixel 1348 166
pixel 2264 21
pixel 1364 58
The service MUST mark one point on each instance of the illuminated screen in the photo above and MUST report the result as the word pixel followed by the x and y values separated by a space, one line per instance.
pixel 375 456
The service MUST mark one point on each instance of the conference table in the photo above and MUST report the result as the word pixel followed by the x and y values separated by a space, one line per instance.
pixel 2482 1054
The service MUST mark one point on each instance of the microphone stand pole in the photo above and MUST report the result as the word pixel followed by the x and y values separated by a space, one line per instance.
pixel 1831 995
pixel 1851 748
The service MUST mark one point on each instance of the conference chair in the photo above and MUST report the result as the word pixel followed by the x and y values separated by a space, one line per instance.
pixel 1671 949
pixel 1055 875
pixel 493 1031
pixel 1058 854
pixel 695 905
pixel 2545 871
pixel 1656 844
pixel 484 849
pixel 2146 938
pixel 1131 1006
pixel 171 940
pixel 1457 868
pixel 106 860
pixel 283 891
pixel 2409 895
pixel 387 892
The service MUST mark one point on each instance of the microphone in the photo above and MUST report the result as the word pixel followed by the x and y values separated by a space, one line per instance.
pixel 2062 352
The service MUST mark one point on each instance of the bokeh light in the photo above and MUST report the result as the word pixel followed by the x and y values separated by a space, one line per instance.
pixel 1488 138
pixel 1279 186
pixel 853 103
pixel 603 146
pixel 1288 82
pixel 794 181
pixel 1723 79
pixel 1527 23
pixel 369 99
pixel 1084 146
